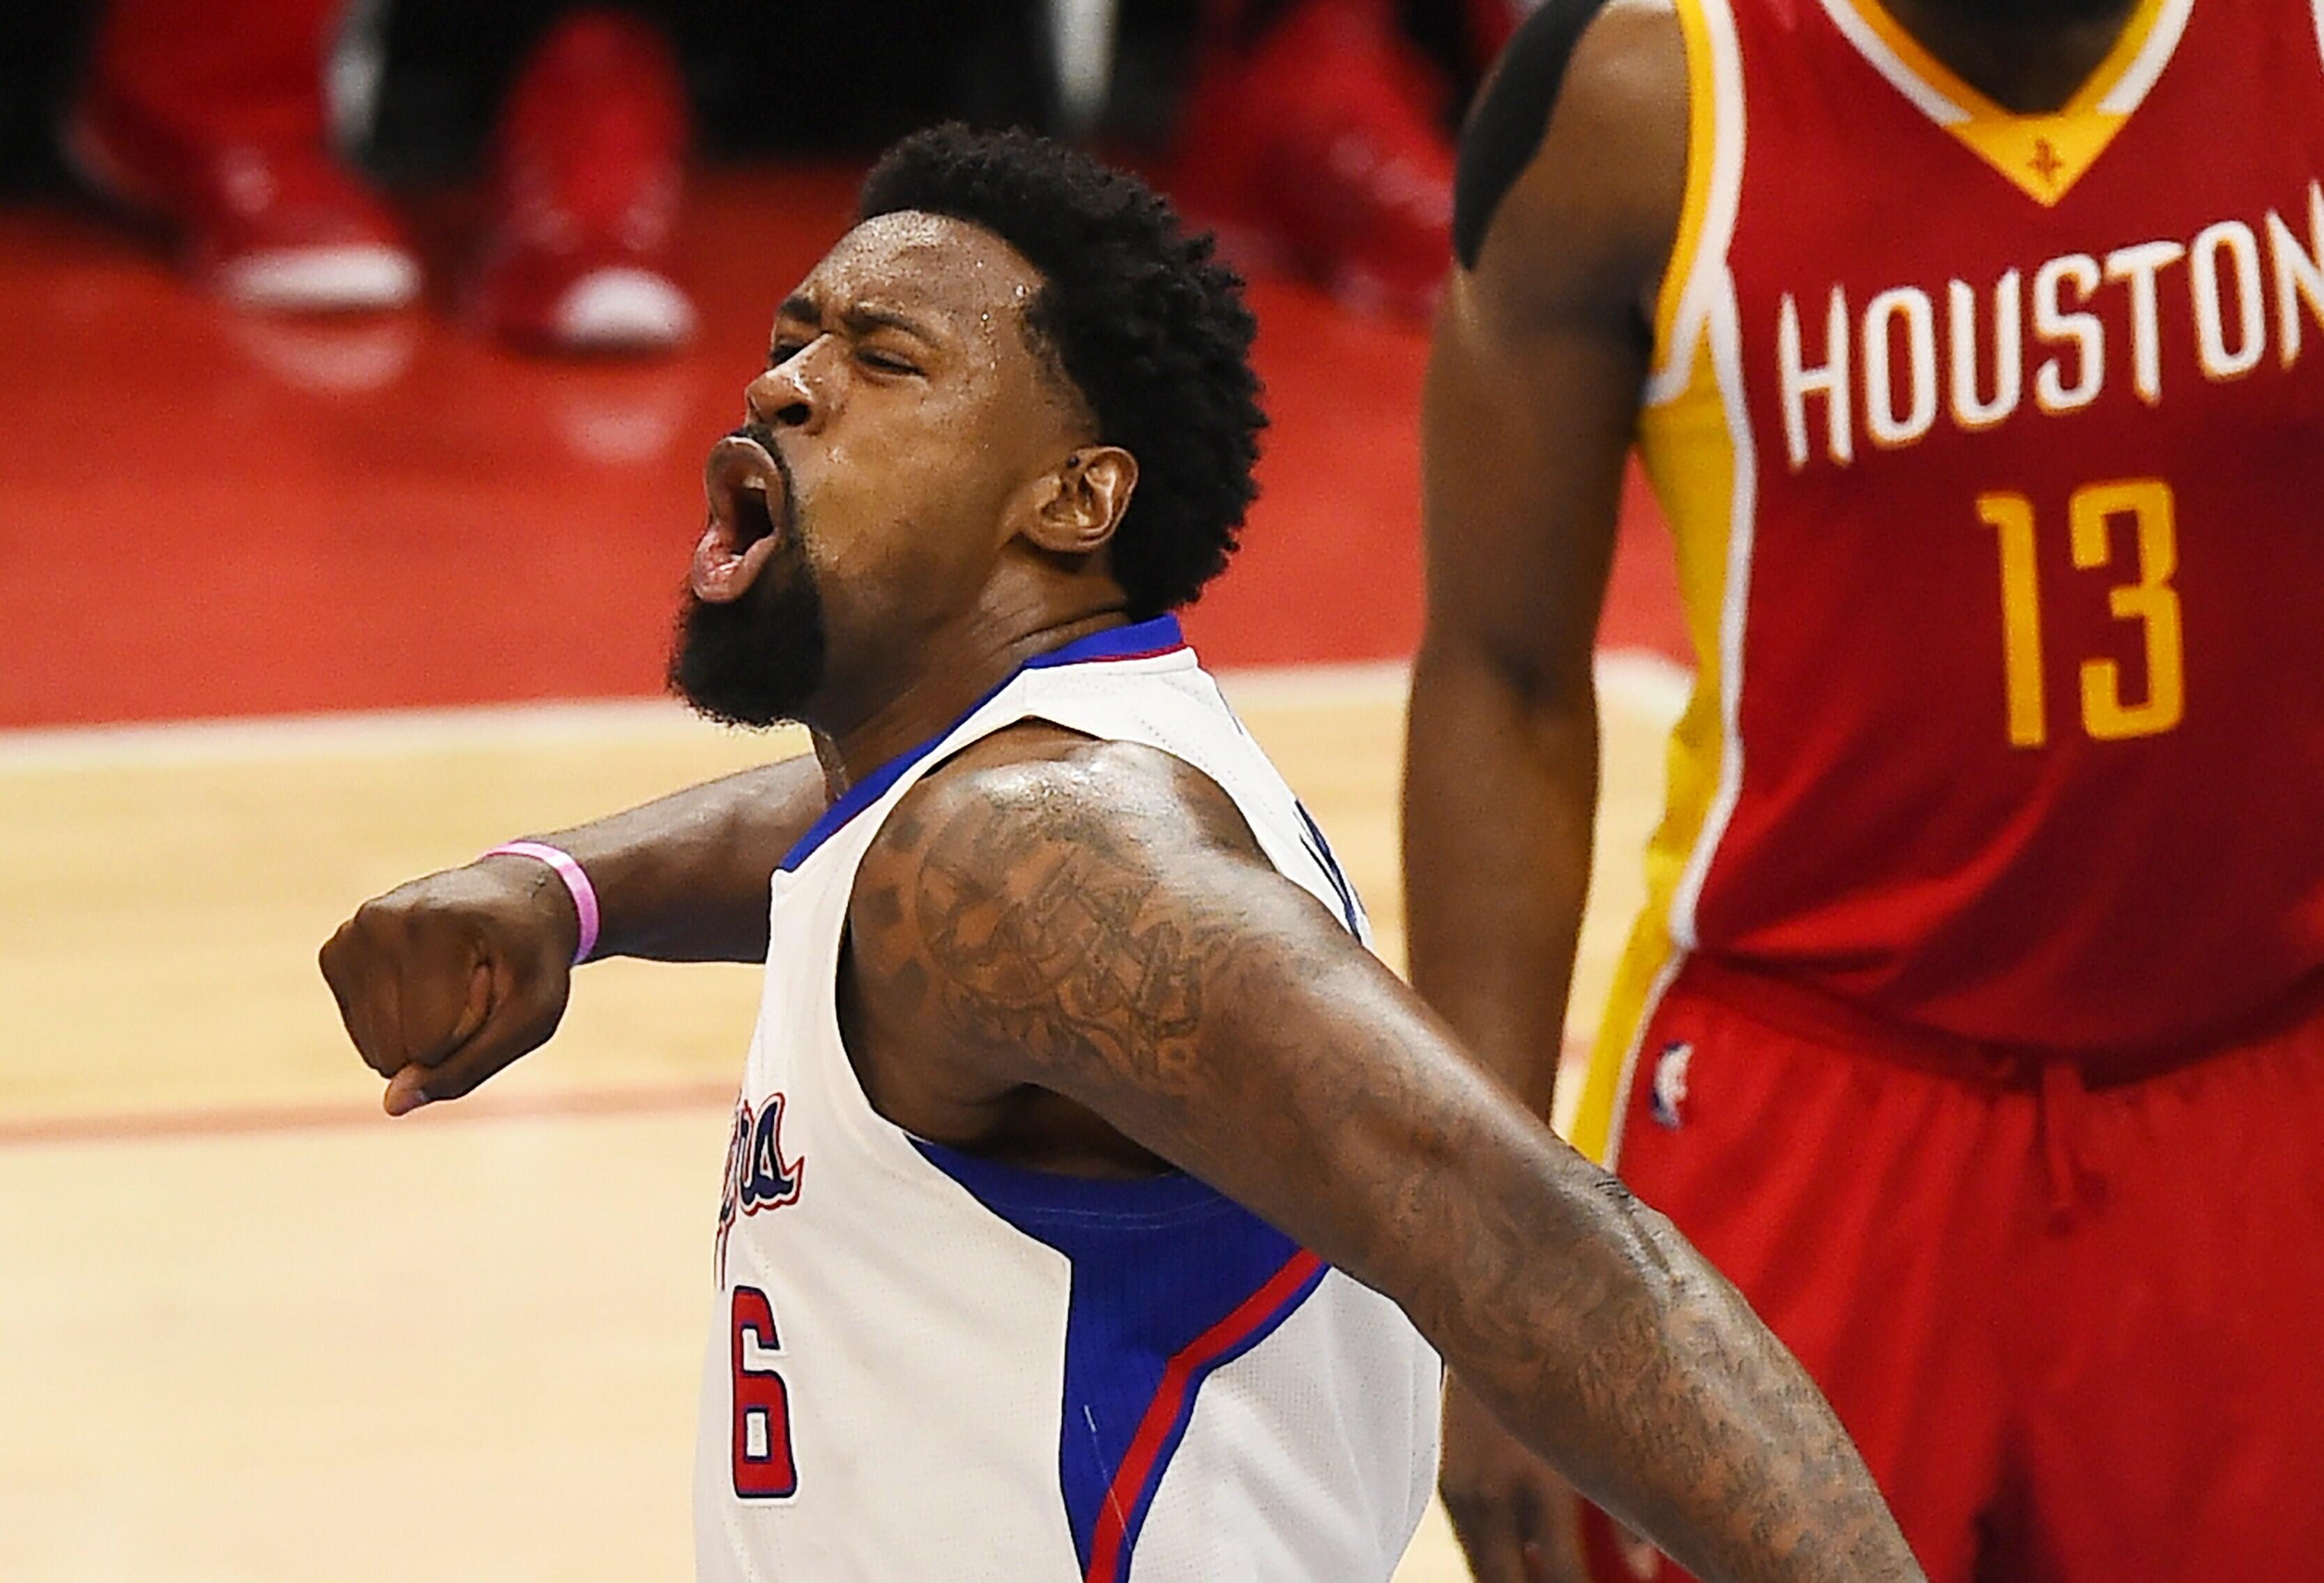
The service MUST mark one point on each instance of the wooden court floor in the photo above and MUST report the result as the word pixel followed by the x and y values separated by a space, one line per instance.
pixel 252 1331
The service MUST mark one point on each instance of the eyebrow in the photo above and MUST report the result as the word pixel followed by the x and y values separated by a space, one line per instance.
pixel 857 316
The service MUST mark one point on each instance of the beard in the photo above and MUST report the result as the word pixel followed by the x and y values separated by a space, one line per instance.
pixel 759 660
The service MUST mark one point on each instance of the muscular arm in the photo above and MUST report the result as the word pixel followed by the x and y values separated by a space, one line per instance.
pixel 1099 923
pixel 1532 394
pixel 684 878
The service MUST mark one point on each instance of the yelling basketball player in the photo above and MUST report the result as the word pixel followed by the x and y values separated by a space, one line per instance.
pixel 1093 1187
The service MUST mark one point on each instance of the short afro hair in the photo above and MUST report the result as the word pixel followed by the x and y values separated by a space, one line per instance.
pixel 1139 317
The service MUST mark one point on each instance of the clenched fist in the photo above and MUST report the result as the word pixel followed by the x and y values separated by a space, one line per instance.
pixel 445 980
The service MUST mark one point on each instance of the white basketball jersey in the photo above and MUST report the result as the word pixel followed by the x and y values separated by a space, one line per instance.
pixel 928 1367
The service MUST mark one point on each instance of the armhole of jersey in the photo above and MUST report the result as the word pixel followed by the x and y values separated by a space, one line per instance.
pixel 1706 215
pixel 1288 852
pixel 2316 10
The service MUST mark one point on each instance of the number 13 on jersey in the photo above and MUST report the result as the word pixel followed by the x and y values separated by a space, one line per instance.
pixel 2148 600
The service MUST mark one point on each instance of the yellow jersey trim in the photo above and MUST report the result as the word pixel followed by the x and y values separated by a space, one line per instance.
pixel 2043 155
pixel 1701 150
pixel 1690 458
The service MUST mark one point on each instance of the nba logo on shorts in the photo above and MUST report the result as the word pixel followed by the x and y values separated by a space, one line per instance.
pixel 1639 1557
pixel 1670 1084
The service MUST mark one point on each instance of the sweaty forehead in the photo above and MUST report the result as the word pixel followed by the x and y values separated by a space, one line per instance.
pixel 933 265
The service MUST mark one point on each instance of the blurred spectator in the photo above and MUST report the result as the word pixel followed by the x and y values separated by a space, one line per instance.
pixel 587 167
pixel 1317 136
pixel 1314 133
pixel 210 114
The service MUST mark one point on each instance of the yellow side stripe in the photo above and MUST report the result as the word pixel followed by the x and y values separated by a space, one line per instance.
pixel 1701 147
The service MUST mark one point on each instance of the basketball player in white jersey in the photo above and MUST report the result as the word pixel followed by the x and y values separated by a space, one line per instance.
pixel 1097 1203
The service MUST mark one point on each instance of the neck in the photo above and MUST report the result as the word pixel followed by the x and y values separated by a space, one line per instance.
pixel 2028 59
pixel 950 671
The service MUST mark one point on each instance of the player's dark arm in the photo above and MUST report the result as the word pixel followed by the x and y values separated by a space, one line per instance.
pixel 1572 169
pixel 1102 925
pixel 447 978
pixel 1528 410
pixel 684 878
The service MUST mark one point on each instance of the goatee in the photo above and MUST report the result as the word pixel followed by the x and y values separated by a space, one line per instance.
pixel 759 660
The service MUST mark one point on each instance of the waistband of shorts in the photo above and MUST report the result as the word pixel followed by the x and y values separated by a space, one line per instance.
pixel 1804 1012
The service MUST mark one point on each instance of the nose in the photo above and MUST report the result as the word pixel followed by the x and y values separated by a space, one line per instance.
pixel 788 396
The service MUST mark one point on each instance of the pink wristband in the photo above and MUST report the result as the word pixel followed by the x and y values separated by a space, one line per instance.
pixel 577 884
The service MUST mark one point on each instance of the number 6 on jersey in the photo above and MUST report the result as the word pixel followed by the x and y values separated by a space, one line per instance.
pixel 763 1469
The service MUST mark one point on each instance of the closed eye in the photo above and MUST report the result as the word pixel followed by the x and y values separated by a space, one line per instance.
pixel 885 362
pixel 782 352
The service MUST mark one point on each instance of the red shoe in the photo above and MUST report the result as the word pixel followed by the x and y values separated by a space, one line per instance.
pixel 1487 25
pixel 589 166
pixel 1321 150
pixel 273 225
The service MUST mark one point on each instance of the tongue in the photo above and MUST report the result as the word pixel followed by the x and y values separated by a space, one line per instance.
pixel 721 573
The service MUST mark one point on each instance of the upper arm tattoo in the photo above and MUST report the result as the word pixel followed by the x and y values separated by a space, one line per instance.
pixel 1047 932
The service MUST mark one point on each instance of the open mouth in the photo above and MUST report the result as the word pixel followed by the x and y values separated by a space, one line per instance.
pixel 746 494
pixel 741 482
pixel 753 520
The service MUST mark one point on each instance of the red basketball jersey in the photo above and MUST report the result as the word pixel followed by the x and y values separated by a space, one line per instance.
pixel 1994 449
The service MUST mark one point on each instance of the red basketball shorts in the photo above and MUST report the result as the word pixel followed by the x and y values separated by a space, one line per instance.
pixel 2079 1333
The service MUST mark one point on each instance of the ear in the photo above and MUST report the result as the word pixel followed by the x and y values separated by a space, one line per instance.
pixel 1077 506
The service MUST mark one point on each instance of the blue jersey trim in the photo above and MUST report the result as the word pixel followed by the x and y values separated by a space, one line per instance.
pixel 1158 1264
pixel 1026 1197
pixel 1320 849
pixel 1138 640
pixel 1138 1481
